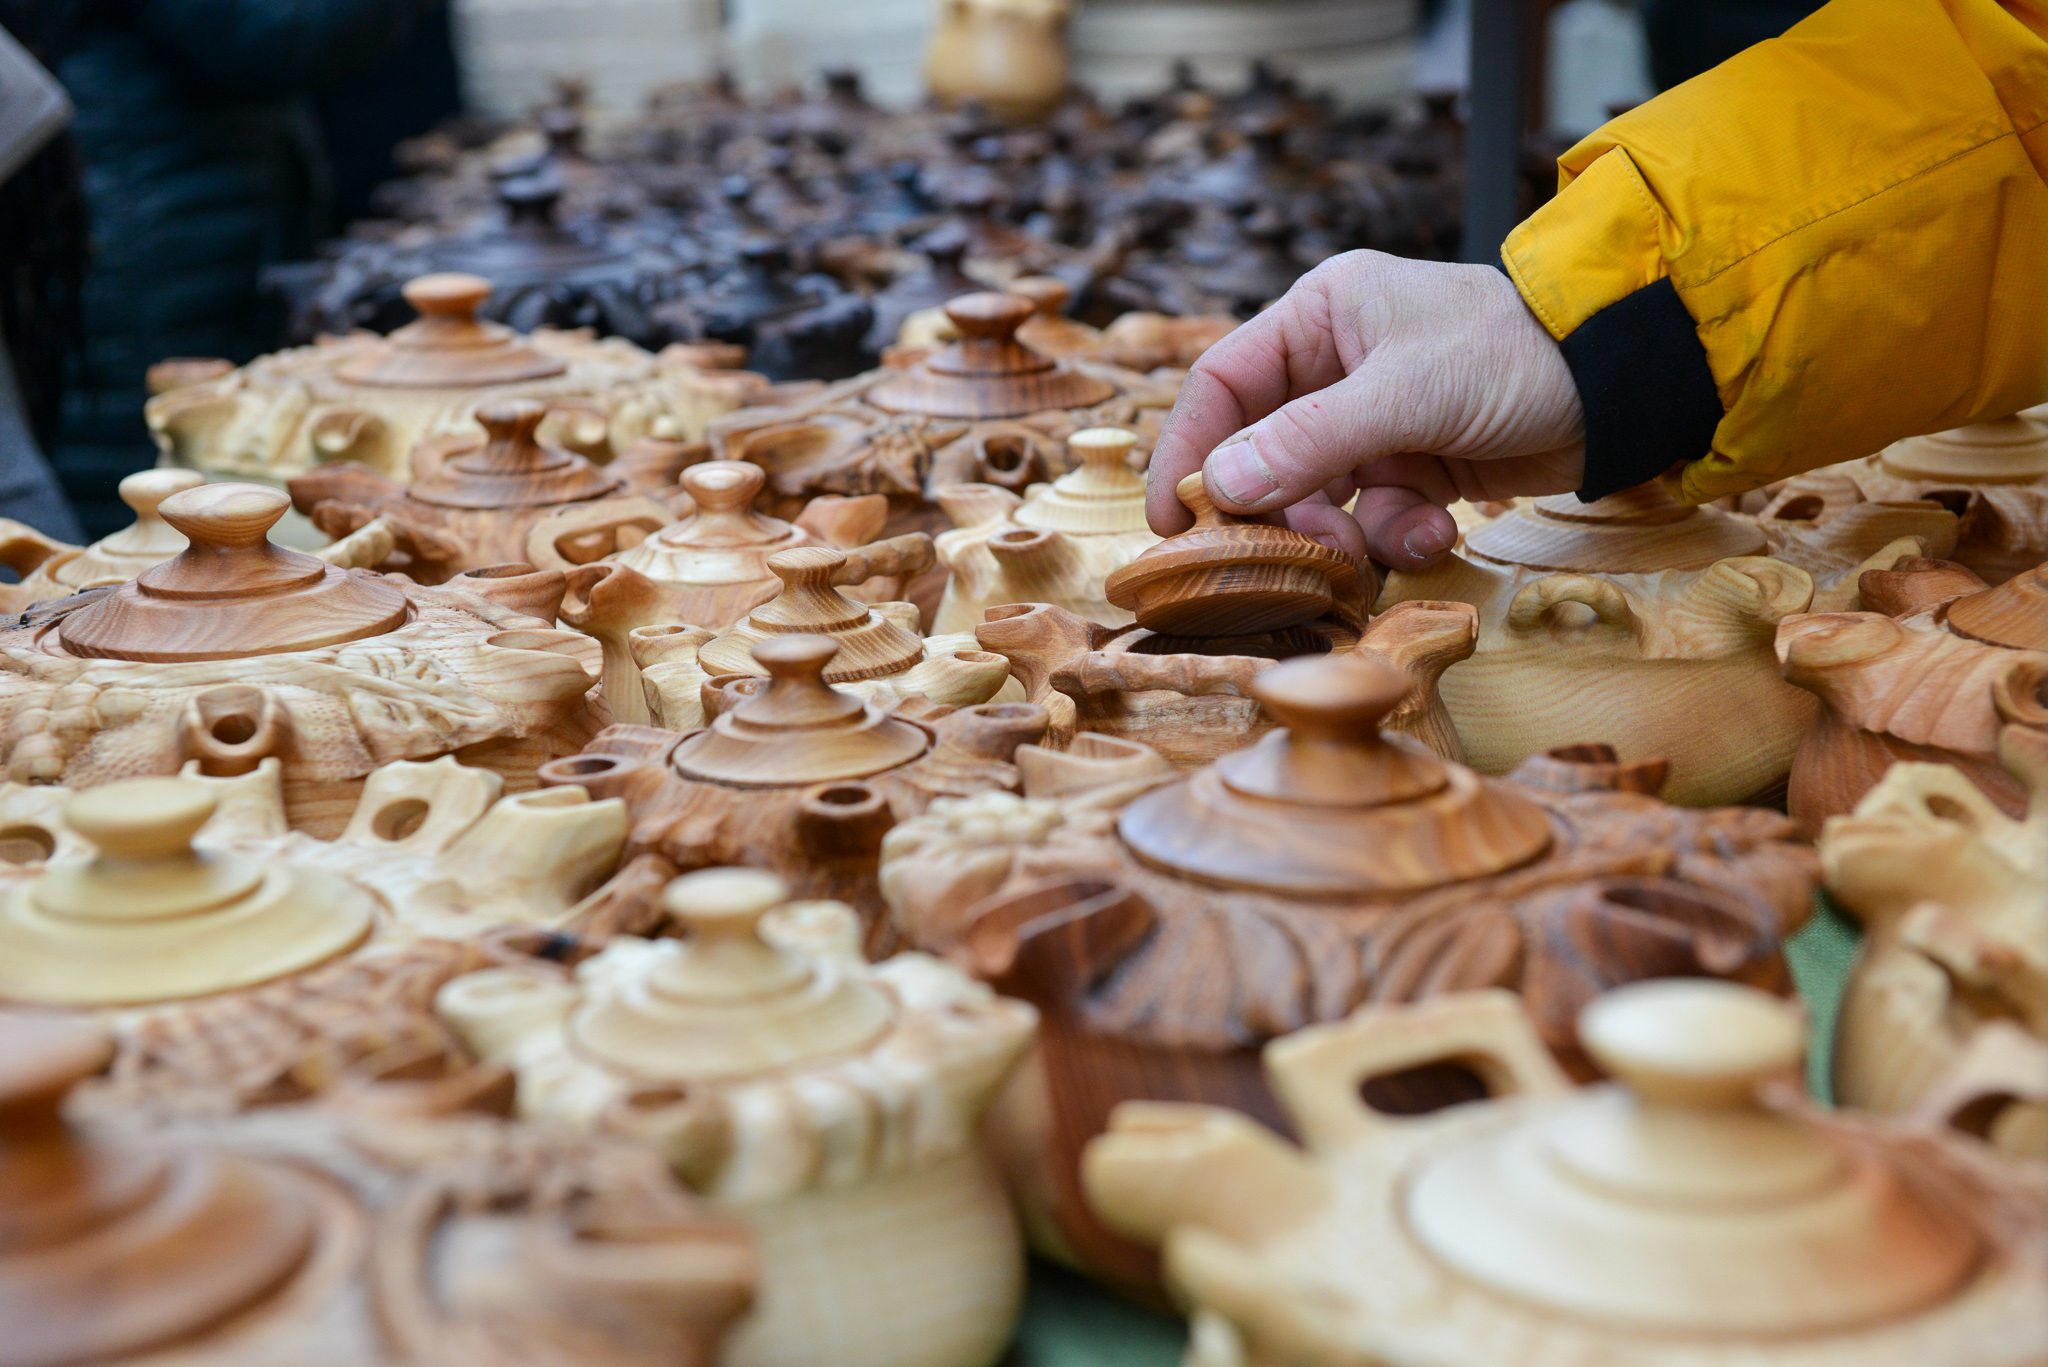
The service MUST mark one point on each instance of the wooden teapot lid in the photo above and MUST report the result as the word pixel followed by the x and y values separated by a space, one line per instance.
pixel 1101 496
pixel 724 525
pixel 149 541
pixel 724 1002
pixel 512 469
pixel 1675 1201
pixel 1048 330
pixel 2013 614
pixel 446 347
pixel 1330 806
pixel 2010 450
pixel 1229 576
pixel 870 645
pixel 988 373
pixel 152 919
pixel 231 593
pixel 1637 531
pixel 105 1253
pixel 798 730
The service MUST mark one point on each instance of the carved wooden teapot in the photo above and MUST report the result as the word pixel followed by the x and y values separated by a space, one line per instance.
pixel 51 569
pixel 1632 620
pixel 1946 1010
pixel 1056 545
pixel 1994 476
pixel 834 1105
pixel 473 504
pixel 799 776
pixel 1167 925
pixel 356 1239
pixel 1671 1216
pixel 1937 667
pixel 237 650
pixel 373 399
pixel 881 658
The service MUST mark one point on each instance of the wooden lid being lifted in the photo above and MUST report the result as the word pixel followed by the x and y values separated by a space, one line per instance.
pixel 723 1002
pixel 447 347
pixel 1229 576
pixel 2014 614
pixel 870 645
pixel 1102 496
pixel 512 469
pixel 988 373
pixel 109 1254
pixel 1330 806
pixel 231 593
pixel 798 730
pixel 1637 531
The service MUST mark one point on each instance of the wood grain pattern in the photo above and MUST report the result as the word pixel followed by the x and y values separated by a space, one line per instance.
pixel 988 373
pixel 1637 531
pixel 447 347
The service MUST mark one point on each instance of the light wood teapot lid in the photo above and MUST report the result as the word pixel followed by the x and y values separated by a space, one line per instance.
pixel 988 373
pixel 1675 1201
pixel 1229 576
pixel 2013 614
pixel 148 541
pixel 231 593
pixel 1330 806
pixel 725 522
pixel 152 919
pixel 799 730
pixel 447 347
pixel 870 645
pixel 1101 496
pixel 1637 531
pixel 512 469
pixel 724 1002
pixel 2010 450
pixel 107 1253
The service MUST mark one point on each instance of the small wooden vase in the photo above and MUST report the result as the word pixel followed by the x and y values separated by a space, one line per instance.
pixel 1166 926
pixel 833 1105
pixel 237 650
pixel 1631 621
pixel 1560 1224
pixel 1933 673
pixel 798 775
pixel 881 658
pixel 373 400
pixel 1994 476
pixel 1008 56
pixel 389 1232
pixel 1946 1010
pixel 470 506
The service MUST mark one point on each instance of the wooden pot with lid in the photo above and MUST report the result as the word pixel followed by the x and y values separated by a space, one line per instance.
pixel 236 650
pixel 1676 1215
pixel 832 1104
pixel 350 1236
pixel 1167 925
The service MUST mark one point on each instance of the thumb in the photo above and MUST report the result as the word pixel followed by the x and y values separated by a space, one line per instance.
pixel 1302 447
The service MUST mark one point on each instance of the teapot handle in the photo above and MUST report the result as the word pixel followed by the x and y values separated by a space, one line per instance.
pixel 586 532
pixel 1318 1073
pixel 25 550
pixel 1535 602
pixel 1194 676
pixel 898 557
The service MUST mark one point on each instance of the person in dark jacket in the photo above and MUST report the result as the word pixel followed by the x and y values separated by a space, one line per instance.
pixel 202 164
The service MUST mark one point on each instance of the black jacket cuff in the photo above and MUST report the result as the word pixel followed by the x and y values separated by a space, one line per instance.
pixel 1646 388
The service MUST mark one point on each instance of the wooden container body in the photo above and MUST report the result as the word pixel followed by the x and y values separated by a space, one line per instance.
pixel 994 561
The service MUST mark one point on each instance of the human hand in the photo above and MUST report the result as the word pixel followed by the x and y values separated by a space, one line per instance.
pixel 1410 383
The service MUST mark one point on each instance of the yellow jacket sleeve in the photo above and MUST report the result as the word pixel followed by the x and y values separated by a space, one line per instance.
pixel 1836 239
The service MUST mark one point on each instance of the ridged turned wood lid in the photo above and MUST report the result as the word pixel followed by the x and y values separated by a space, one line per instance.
pixel 988 373
pixel 152 919
pixel 1637 531
pixel 2013 614
pixel 231 593
pixel 2008 451
pixel 1102 496
pixel 1330 806
pixel 798 730
pixel 512 469
pixel 1675 1201
pixel 1228 576
pixel 725 540
pixel 723 1002
pixel 870 645
pixel 150 540
pixel 447 347
pixel 110 1253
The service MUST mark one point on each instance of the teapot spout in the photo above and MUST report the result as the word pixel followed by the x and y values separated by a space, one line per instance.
pixel 1163 1165
pixel 608 601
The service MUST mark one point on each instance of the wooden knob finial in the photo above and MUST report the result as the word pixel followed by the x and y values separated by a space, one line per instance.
pixel 447 294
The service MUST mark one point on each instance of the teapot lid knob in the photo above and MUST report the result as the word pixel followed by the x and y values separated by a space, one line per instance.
pixel 145 490
pixel 447 294
pixel 1692 1041
pixel 724 486
pixel 149 819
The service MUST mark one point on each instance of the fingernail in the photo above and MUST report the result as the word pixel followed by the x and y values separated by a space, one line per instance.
pixel 1239 474
pixel 1426 542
